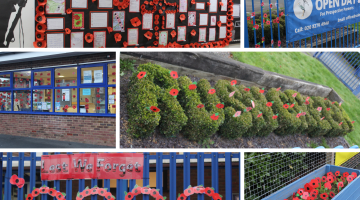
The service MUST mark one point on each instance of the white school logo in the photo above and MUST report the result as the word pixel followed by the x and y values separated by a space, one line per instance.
pixel 303 8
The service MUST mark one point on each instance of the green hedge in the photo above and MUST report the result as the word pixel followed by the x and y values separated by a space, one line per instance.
pixel 181 114
pixel 199 126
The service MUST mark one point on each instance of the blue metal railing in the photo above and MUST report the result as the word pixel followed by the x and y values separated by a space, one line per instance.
pixel 122 185
pixel 352 33
pixel 345 66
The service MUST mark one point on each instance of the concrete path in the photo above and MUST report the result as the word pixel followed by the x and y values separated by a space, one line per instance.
pixel 10 141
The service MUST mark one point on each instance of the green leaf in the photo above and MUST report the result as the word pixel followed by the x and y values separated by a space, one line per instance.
pixel 63 193
pixel 125 193
pixel 95 186
pixel 78 194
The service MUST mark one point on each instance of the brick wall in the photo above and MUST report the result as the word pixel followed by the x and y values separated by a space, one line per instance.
pixel 83 129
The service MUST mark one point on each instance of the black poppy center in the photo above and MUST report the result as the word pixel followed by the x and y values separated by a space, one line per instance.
pixel 154 192
pixel 43 190
pixel 36 192
pixel 39 44
pixel 17 180
pixel 87 192
pixel 39 27
pixel 129 196
pixel 51 192
pixel 59 196
pixel 146 190
pixel 189 191
pixel 39 18
pixel 154 109
pixel 208 191
pixel 29 198
pixel 102 192
pixel 41 8
pixel 81 196
pixel 181 198
pixel 136 191
pixel 94 190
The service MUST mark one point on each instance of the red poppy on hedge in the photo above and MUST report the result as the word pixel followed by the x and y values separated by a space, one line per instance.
pixel 174 74
pixel 261 91
pixel 200 106
pixel 220 105
pixel 141 75
pixel 328 109
pixel 259 115
pixel 233 82
pixel 248 109
pixel 212 91
pixel 307 102
pixel 247 89
pixel 275 116
pixel 286 106
pixel 192 86
pixel 269 104
pixel 174 92
pixel 215 116
pixel 292 105
pixel 154 109
pixel 324 196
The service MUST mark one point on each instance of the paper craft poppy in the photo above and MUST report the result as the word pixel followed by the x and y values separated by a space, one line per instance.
pixel 328 109
pixel 308 187
pixel 141 75
pixel 40 9
pixel 154 109
pixel 173 33
pixel 307 102
pixel 89 37
pixel 109 29
pixel 67 31
pixel 292 105
pixel 332 194
pixel 200 106
pixel 174 92
pixel 346 174
pixel 148 35
pixel 286 106
pixel 319 109
pixel 220 105
pixel 117 37
pixel 350 178
pixel 275 116
pixel 125 44
pixel 135 21
pixel 259 115
pixel 340 185
pixel 232 94
pixel 215 116
pixel 269 104
pixel 193 32
pixel 261 91
pixel 247 89
pixel 68 11
pixel 15 180
pixel 40 18
pixel 39 44
pixel 35 192
pixel 174 74
pixel 314 183
pixel 211 91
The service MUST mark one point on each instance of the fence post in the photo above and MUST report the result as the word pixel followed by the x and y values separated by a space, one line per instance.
pixel 146 173
pixel 215 171
pixel 57 182
pixel 81 181
pixel 21 175
pixel 68 187
pixel 32 171
pixel 228 184
pixel 172 174
pixel 239 175
pixel 200 172
pixel 45 196
pixel 1 175
pixel 186 171
pixel 7 176
pixel 159 171
pixel 246 36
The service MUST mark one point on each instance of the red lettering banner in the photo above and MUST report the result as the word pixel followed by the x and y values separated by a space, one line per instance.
pixel 92 166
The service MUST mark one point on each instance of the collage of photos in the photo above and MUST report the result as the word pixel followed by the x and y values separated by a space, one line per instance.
pixel 150 114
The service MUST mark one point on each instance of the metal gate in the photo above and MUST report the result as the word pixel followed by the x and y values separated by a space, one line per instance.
pixel 170 161
pixel 345 66
pixel 347 36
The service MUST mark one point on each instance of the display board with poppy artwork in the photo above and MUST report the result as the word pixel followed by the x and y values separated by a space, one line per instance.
pixel 126 15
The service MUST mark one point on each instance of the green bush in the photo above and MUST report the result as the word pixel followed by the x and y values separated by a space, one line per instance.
pixel 223 89
pixel 267 30
pixel 142 121
pixel 199 125
pixel 235 127
pixel 210 100
pixel 172 115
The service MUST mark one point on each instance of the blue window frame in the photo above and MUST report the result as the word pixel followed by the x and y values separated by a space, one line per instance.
pixel 43 95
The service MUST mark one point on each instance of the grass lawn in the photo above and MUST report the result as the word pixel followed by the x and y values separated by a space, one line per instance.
pixel 301 66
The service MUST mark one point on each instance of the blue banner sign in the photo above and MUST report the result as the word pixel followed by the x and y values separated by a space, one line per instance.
pixel 308 18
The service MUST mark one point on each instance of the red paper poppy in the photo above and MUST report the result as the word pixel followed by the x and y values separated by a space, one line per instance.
pixel 141 75
pixel 44 190
pixel 324 196
pixel 59 196
pixel 220 105
pixel 174 74
pixel 346 174
pixel 350 179
pixel 174 92
pixel 233 82
pixel 109 29
pixel 40 9
pixel 89 37
pixel 200 106
pixel 340 185
pixel 330 179
pixel 125 44
pixel 39 44
pixel 300 191
pixel 269 104
pixel 307 102
pixel 35 192
pixel 173 33
pixel 148 35
pixel 292 105
pixel 154 109
pixel 192 87
pixel 286 106
pixel 314 193
pixel 332 194
pixel 308 187
pixel 261 91
pixel 135 21
pixel 328 109
pixel 117 37
pixel 40 18
pixel 215 116
pixel 247 89
pixel 314 183
pixel 211 91
pixel 69 11
pixel 354 174
pixel 193 32
pixel 15 180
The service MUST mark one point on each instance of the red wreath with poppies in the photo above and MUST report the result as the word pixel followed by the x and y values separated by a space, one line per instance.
pixel 95 191
pixel 45 190
pixel 327 186
pixel 143 190
pixel 209 191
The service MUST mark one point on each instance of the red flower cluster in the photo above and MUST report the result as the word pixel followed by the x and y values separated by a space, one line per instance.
pixel 199 190
pixel 143 190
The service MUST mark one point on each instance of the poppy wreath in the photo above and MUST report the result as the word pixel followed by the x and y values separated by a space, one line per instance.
pixel 95 191
pixel 45 190
pixel 143 190
pixel 325 187
pixel 209 191
pixel 121 4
